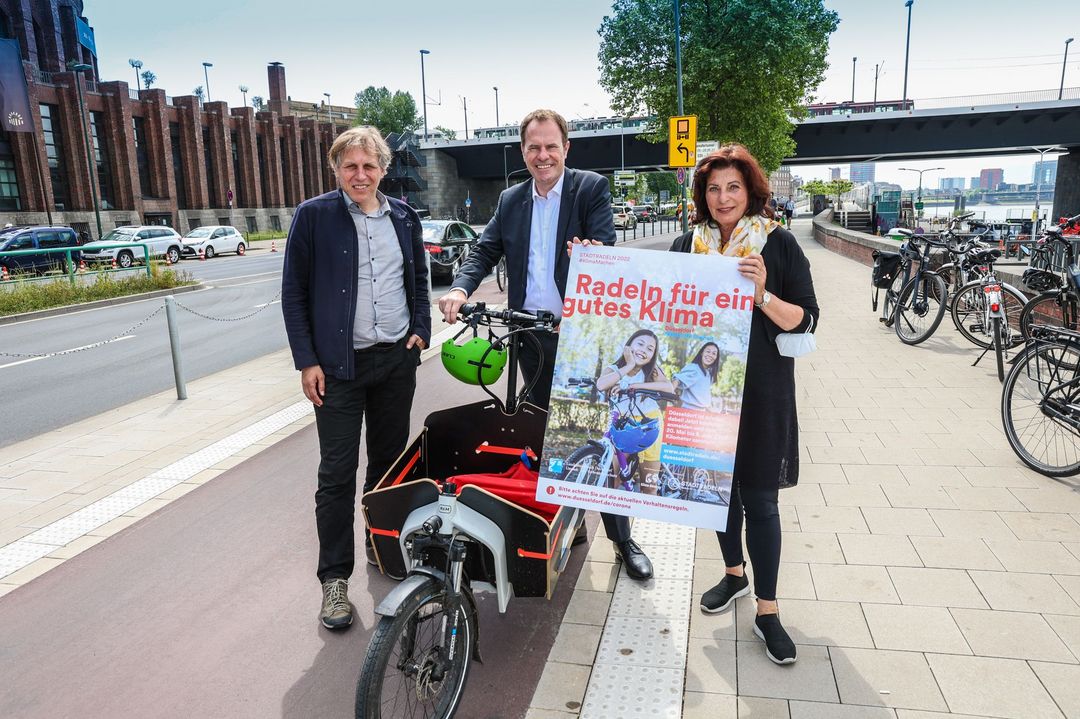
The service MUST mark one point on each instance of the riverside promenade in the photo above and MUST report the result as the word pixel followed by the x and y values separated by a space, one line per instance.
pixel 157 561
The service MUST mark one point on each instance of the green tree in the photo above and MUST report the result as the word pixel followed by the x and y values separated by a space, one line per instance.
pixel 199 93
pixel 148 78
pixel 732 376
pixel 817 187
pixel 446 132
pixel 257 102
pixel 749 66
pixel 839 187
pixel 396 112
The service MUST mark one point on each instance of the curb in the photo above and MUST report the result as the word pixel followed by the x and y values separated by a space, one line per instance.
pixel 68 309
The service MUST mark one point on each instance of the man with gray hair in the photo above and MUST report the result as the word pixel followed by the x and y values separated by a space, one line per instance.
pixel 355 301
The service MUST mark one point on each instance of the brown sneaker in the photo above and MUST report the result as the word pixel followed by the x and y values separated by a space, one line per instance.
pixel 337 610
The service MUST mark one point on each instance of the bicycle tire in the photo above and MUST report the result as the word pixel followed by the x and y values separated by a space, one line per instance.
pixel 583 467
pixel 967 310
pixel 1052 307
pixel 999 352
pixel 1027 387
pixel 888 309
pixel 918 314
pixel 500 274
pixel 383 661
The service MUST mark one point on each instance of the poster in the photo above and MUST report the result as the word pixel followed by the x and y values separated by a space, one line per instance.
pixel 648 385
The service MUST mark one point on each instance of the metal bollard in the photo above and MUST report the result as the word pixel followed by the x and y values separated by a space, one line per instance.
pixel 174 345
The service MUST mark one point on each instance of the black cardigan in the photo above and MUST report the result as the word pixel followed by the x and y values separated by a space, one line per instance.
pixel 767 453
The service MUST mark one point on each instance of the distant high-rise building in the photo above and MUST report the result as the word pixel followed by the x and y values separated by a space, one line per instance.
pixel 1045 172
pixel 780 183
pixel 975 184
pixel 990 178
pixel 862 172
pixel 834 173
pixel 951 183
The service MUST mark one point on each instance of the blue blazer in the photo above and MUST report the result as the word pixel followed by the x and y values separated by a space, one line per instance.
pixel 318 282
pixel 584 211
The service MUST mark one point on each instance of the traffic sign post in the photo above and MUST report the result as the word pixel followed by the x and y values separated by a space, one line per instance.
pixel 625 178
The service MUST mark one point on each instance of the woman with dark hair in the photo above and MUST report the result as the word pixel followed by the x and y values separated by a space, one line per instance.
pixel 694 381
pixel 637 368
pixel 733 218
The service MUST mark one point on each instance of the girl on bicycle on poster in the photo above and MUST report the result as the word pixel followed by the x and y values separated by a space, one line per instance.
pixel 694 381
pixel 638 368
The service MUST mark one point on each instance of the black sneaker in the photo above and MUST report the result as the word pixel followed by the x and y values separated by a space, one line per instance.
pixel 723 595
pixel 778 645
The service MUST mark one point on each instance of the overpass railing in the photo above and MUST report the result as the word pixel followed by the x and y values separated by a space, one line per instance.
pixel 1004 98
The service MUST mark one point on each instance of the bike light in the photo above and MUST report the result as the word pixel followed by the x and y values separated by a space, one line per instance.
pixel 995 307
pixel 433 249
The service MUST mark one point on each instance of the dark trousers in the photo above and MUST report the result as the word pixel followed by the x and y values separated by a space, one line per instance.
pixel 616 525
pixel 762 536
pixel 383 393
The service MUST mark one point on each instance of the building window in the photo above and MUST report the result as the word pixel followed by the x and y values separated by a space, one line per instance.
pixel 193 222
pixel 309 182
pixel 9 181
pixel 54 154
pixel 224 220
pixel 101 160
pixel 252 224
pixel 142 156
pixel 238 193
pixel 275 223
pixel 179 177
pixel 211 176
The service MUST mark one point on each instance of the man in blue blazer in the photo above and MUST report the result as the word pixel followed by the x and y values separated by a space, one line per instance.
pixel 357 313
pixel 532 227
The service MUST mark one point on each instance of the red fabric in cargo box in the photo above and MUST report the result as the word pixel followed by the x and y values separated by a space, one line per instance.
pixel 517 485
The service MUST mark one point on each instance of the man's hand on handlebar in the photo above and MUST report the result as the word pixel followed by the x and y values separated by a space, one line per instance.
pixel 451 302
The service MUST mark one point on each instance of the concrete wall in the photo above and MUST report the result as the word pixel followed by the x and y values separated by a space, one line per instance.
pixel 446 190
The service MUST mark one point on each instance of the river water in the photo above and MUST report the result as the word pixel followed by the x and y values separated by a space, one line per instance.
pixel 997 213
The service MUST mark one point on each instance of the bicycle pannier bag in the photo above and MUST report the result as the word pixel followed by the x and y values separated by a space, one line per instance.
pixel 886 265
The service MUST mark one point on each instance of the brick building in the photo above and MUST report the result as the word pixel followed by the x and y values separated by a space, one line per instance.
pixel 156 159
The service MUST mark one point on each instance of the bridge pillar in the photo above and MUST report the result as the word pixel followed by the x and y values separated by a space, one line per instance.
pixel 446 190
pixel 1067 187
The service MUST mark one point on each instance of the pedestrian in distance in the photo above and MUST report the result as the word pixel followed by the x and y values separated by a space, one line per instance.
pixel 734 219
pixel 789 211
pixel 532 223
pixel 357 314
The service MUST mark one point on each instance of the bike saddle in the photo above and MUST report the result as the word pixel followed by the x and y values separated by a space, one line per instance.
pixel 901 231
pixel 986 255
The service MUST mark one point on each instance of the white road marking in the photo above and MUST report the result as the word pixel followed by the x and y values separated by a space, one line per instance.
pixel 73 349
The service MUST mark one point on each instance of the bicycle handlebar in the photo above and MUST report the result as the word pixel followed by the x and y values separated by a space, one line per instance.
pixel 511 318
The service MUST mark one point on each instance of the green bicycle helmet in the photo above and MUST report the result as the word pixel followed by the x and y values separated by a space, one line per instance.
pixel 475 362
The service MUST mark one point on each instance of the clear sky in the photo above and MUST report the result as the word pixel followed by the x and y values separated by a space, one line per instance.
pixel 545 54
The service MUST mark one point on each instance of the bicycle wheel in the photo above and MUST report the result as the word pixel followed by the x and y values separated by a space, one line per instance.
pixel 1055 308
pixel 888 308
pixel 918 313
pixel 968 310
pixel 406 672
pixel 1039 409
pixel 585 466
pixel 500 274
pixel 999 328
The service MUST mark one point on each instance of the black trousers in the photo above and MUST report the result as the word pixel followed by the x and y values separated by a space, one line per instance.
pixel 616 525
pixel 382 393
pixel 762 536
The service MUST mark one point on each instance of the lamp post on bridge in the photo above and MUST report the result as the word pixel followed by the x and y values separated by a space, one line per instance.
pixel 423 88
pixel 1064 60
pixel 206 76
pixel 907 52
pixel 853 61
pixel 1038 184
pixel 496 89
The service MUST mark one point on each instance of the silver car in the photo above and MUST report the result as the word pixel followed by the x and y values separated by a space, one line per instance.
pixel 161 241
pixel 213 240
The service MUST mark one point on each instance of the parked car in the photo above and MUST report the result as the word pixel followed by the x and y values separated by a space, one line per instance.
pixel 37 238
pixel 447 243
pixel 644 213
pixel 162 242
pixel 213 240
pixel 625 219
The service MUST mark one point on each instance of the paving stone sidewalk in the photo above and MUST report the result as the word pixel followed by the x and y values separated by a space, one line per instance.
pixel 926 572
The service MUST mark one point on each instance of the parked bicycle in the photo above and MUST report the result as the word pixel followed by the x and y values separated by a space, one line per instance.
pixel 922 301
pixel 1040 401
pixel 987 311
pixel 1056 301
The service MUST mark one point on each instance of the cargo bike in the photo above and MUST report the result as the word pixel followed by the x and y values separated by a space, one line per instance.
pixel 456 515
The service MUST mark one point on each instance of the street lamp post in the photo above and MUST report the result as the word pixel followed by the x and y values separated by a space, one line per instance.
pixel 853 79
pixel 1038 184
pixel 506 174
pixel 907 50
pixel 877 69
pixel 465 109
pixel 1064 60
pixel 496 89
pixel 243 91
pixel 206 76
pixel 136 65
pixel 423 88
pixel 928 169
pixel 329 112
pixel 78 69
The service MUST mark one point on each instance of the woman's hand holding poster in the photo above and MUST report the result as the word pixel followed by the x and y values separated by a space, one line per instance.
pixel 648 385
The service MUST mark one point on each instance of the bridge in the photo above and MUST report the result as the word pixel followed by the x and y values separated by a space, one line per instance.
pixel 942 128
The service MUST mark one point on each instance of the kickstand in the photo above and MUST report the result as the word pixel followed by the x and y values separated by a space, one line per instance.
pixel 979 358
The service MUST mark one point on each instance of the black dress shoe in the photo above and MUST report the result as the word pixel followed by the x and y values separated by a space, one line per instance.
pixel 637 564
pixel 582 536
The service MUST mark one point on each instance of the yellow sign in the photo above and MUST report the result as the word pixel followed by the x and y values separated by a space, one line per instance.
pixel 682 141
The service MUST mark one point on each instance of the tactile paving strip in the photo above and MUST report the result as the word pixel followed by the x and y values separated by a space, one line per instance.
pixel 40 543
pixel 631 692
pixel 647 531
pixel 670 561
pixel 668 598
pixel 639 641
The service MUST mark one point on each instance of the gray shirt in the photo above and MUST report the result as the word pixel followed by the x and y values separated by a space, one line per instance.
pixel 382 312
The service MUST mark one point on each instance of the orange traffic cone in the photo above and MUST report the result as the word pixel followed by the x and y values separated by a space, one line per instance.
pixel 4 274
pixel 114 263
pixel 82 265
pixel 202 255
pixel 273 246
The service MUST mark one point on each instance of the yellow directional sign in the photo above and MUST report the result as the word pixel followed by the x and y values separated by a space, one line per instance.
pixel 682 141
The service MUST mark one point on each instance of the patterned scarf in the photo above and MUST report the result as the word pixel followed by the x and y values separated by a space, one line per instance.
pixel 748 236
